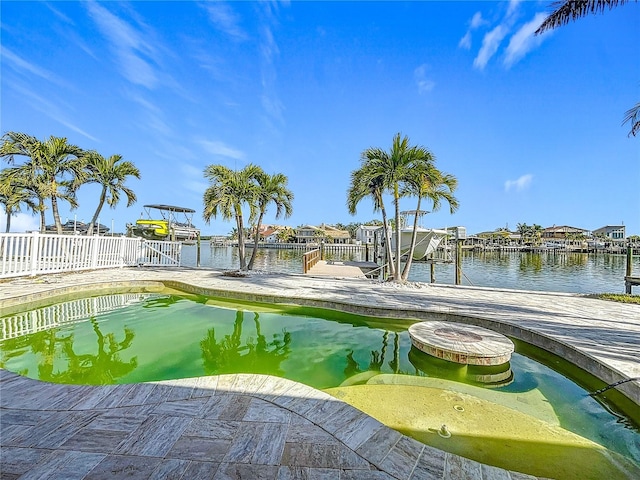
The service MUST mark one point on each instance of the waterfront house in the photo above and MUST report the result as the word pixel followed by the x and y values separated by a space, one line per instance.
pixel 563 232
pixel 611 232
pixel 323 233
pixel 365 233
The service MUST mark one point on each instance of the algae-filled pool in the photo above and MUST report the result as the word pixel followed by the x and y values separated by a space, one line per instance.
pixel 523 416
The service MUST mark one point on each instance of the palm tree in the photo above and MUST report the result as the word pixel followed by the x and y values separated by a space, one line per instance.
pixel 49 170
pixel 26 176
pixel 230 190
pixel 111 174
pixel 12 196
pixel 271 189
pixel 430 183
pixel 571 10
pixel 58 159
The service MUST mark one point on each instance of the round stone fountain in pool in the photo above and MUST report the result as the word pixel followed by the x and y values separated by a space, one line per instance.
pixel 456 342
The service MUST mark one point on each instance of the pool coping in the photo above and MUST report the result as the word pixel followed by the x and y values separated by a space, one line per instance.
pixel 546 341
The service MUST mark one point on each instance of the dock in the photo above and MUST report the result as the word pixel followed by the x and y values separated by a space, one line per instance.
pixel 336 268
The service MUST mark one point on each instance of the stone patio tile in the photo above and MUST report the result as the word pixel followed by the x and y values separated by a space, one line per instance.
pixel 403 457
pixel 357 431
pixel 324 410
pixel 257 443
pixel 242 471
pixel 137 395
pixel 185 408
pixel 262 411
pixel 204 387
pixel 351 460
pixel 11 431
pixel 97 441
pixel 308 433
pixel 460 467
pixel 114 420
pixel 430 465
pixel 311 455
pixel 68 465
pixel 116 467
pixel 170 469
pixel 493 473
pixel 159 394
pixel 215 429
pixel 378 446
pixel 364 475
pixel 199 449
pixel 323 474
pixel 93 397
pixel 226 407
pixel 293 473
pixel 21 417
pixel 337 419
pixel 154 437
pixel 201 471
pixel 53 431
pixel 274 387
pixel 18 460
pixel 520 476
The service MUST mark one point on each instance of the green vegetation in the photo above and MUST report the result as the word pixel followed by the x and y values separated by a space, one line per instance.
pixel 617 297
pixel 54 170
pixel 232 190
pixel 404 171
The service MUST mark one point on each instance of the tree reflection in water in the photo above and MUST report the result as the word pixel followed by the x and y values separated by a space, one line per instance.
pixel 376 359
pixel 105 367
pixel 230 355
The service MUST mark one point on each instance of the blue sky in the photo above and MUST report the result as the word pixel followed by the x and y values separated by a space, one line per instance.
pixel 530 126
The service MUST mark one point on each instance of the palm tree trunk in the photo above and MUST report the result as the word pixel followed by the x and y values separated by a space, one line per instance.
pixel 103 198
pixel 414 235
pixel 387 241
pixel 56 213
pixel 396 201
pixel 43 220
pixel 256 237
pixel 8 221
pixel 243 264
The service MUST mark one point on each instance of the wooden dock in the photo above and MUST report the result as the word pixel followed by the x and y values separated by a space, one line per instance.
pixel 335 268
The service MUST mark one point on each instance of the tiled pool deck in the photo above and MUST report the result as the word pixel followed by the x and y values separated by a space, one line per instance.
pixel 261 427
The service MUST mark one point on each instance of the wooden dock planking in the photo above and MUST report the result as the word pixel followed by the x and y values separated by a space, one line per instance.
pixel 351 269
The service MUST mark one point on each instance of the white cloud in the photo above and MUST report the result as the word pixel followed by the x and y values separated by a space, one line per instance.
pixel 424 83
pixel 20 222
pixel 225 19
pixel 524 40
pixel 519 184
pixel 490 44
pixel 465 42
pixel 128 44
pixel 19 64
pixel 475 22
pixel 220 149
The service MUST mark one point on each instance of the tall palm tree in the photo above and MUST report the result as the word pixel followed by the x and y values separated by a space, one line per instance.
pixel 429 183
pixel 566 11
pixel 61 163
pixel 28 175
pixel 111 174
pixel 49 170
pixel 368 182
pixel 271 189
pixel 230 190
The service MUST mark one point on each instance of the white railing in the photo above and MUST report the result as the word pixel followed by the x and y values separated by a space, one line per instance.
pixel 73 311
pixel 24 254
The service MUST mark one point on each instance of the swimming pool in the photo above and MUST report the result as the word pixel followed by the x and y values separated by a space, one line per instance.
pixel 139 337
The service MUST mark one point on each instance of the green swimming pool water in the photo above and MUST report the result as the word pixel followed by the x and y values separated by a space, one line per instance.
pixel 128 338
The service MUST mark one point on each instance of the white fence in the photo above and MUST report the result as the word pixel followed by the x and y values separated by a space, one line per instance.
pixel 24 254
pixel 45 318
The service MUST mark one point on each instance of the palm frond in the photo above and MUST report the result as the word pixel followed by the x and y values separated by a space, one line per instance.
pixel 565 11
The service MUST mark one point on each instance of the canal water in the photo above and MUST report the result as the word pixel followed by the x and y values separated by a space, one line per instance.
pixel 553 272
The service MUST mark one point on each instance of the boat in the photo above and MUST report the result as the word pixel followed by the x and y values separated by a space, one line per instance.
pixel 165 222
pixel 427 241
